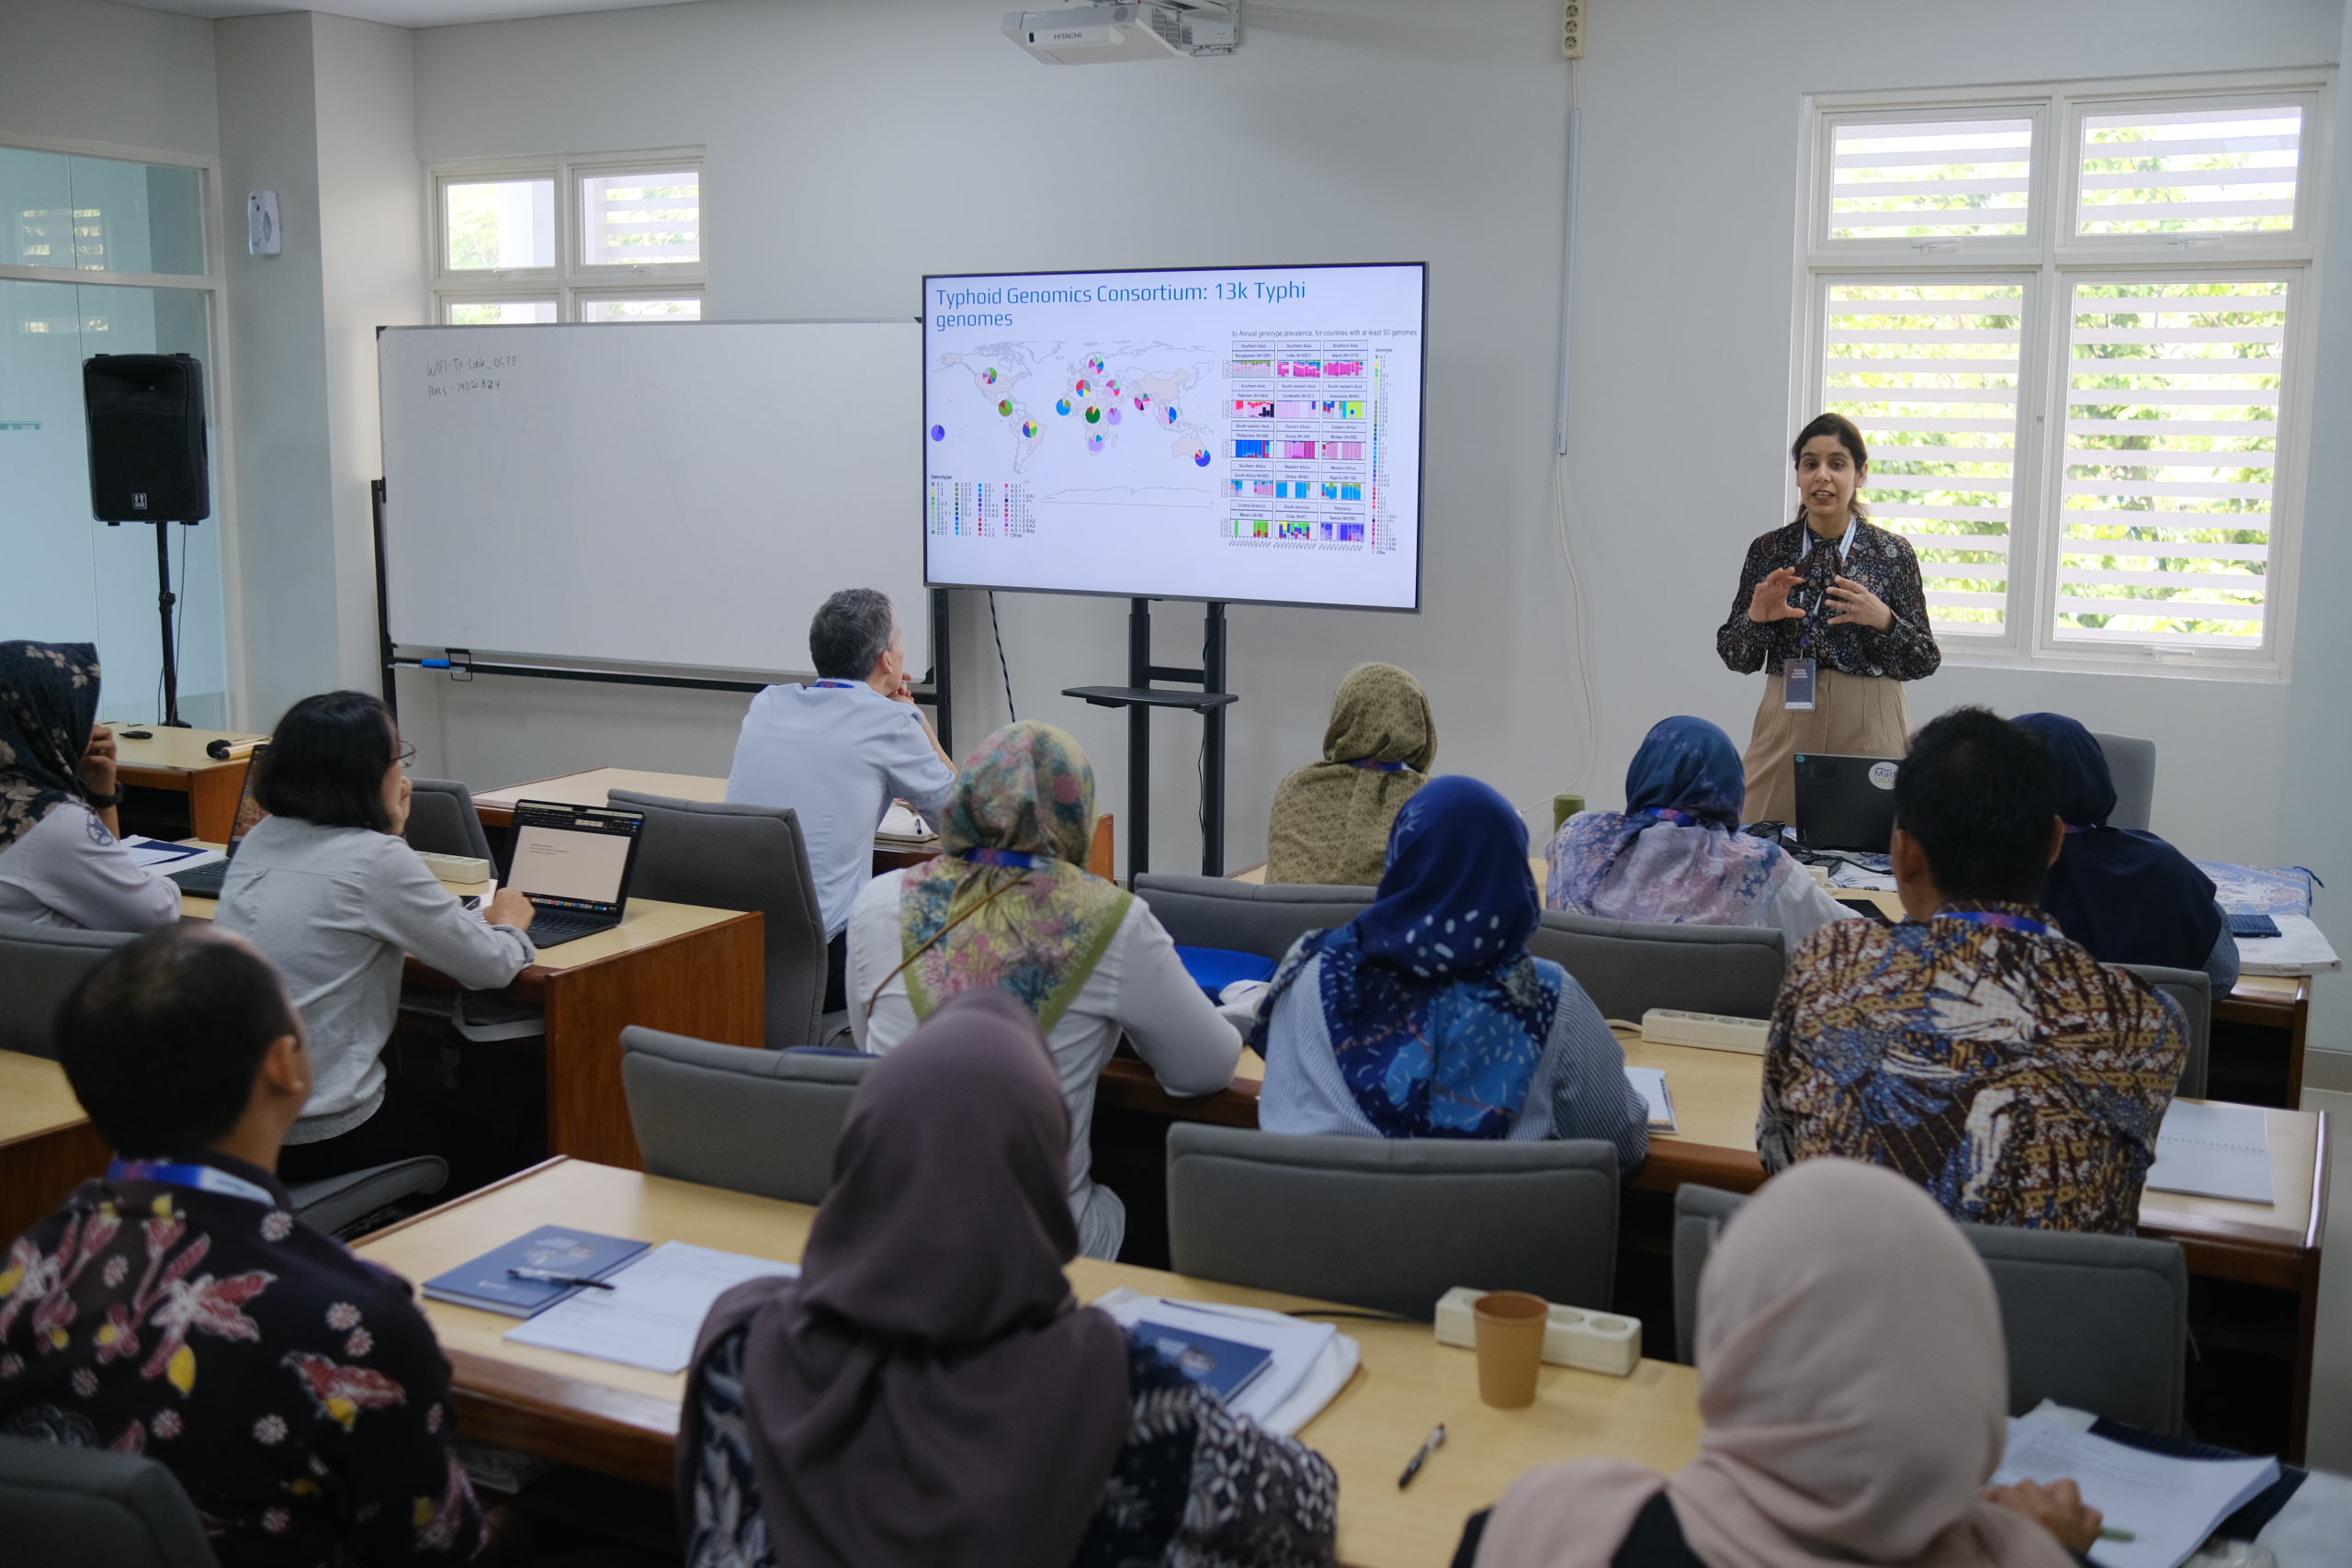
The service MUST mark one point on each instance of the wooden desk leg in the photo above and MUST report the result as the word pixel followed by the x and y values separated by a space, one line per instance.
pixel 2306 1336
pixel 213 799
pixel 36 1172
pixel 2295 1034
pixel 709 983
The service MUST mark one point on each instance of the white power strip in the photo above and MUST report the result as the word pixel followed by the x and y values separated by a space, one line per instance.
pixel 1711 1030
pixel 1596 1341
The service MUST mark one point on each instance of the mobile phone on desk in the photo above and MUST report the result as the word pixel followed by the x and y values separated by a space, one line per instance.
pixel 1868 909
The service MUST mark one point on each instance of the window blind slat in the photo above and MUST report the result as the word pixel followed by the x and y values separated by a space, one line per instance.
pixel 1930 179
pixel 2228 169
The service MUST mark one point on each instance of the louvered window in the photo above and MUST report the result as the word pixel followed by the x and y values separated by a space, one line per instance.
pixel 2069 320
pixel 1930 371
pixel 571 240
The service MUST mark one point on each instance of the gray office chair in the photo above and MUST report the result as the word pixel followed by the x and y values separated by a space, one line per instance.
pixel 335 1202
pixel 1393 1224
pixel 38 966
pixel 760 1121
pixel 2193 989
pixel 742 857
pixel 87 1508
pixel 1215 911
pixel 2133 764
pixel 1628 967
pixel 2097 1322
pixel 442 819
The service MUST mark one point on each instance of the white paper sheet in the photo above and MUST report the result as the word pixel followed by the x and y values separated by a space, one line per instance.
pixel 898 822
pixel 2214 1151
pixel 1650 1084
pixel 1303 1364
pixel 2300 948
pixel 167 856
pixel 2170 1506
pixel 652 1312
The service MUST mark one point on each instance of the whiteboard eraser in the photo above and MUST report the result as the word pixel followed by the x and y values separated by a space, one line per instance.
pixel 456 868
pixel 1592 1341
pixel 1709 1031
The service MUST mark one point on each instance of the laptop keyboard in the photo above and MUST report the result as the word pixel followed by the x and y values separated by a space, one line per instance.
pixel 552 929
pixel 204 881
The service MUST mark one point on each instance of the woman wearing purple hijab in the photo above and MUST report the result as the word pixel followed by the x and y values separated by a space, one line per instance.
pixel 928 1391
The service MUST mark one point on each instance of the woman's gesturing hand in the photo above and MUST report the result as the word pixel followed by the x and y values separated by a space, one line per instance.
pixel 1854 604
pixel 1771 599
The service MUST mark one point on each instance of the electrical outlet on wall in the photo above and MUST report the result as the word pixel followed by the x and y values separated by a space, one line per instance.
pixel 1572 19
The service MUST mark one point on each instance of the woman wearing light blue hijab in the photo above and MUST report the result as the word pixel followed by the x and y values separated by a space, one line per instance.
pixel 1425 1017
pixel 1675 855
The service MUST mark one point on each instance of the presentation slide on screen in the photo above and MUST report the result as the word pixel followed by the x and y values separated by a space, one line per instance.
pixel 1239 434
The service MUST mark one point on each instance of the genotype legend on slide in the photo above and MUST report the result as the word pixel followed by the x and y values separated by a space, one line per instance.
pixel 1235 433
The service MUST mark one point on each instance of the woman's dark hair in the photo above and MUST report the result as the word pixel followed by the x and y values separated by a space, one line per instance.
pixel 162 1041
pixel 1981 795
pixel 1849 436
pixel 326 762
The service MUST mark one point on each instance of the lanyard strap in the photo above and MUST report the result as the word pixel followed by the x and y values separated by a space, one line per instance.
pixel 203 1178
pixel 1994 918
pixel 1667 814
pixel 831 685
pixel 1373 765
pixel 1022 859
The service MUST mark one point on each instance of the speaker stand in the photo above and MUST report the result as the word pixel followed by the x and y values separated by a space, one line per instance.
pixel 164 599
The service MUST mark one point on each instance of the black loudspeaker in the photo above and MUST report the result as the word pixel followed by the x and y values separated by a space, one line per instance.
pixel 147 451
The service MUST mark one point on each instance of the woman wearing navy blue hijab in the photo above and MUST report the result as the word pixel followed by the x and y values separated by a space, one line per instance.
pixel 1425 1017
pixel 2126 895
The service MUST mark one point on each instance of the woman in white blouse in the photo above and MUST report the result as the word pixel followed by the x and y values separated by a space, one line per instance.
pixel 61 862
pixel 1011 904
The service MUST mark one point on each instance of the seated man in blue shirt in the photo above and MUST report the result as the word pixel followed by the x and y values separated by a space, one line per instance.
pixel 176 1308
pixel 839 750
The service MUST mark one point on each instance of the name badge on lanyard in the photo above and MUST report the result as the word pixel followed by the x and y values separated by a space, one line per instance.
pixel 1797 684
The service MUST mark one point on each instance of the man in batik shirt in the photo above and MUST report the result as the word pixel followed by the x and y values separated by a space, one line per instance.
pixel 1973 1048
pixel 178 1309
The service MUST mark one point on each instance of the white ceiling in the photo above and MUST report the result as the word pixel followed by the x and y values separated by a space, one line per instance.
pixel 404 13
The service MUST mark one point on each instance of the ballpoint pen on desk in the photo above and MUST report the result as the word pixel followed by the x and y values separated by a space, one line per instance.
pixel 2110 1533
pixel 548 1276
pixel 1430 1444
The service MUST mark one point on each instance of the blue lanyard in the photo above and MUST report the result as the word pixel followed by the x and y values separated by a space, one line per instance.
pixel 831 685
pixel 1004 857
pixel 203 1178
pixel 1371 766
pixel 1994 918
pixel 1667 814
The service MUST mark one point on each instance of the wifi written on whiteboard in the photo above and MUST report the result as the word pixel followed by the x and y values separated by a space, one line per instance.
pixel 437 374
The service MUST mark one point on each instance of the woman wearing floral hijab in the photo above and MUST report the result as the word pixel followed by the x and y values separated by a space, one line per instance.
pixel 60 861
pixel 1012 905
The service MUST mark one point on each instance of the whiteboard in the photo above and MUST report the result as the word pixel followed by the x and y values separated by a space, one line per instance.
pixel 681 493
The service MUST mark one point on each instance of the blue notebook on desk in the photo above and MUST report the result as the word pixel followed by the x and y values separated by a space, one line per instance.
pixel 551 1250
pixel 1215 968
pixel 1216 1364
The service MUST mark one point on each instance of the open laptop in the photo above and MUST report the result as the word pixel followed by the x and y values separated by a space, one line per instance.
pixel 205 881
pixel 573 863
pixel 1845 803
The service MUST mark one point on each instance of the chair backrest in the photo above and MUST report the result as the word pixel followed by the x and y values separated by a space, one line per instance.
pixel 442 819
pixel 761 1121
pixel 87 1508
pixel 1393 1224
pixel 2097 1322
pixel 2193 989
pixel 726 856
pixel 2131 762
pixel 1215 911
pixel 1629 967
pixel 38 966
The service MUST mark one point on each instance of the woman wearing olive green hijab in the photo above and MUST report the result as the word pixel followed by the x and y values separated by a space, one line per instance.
pixel 1331 817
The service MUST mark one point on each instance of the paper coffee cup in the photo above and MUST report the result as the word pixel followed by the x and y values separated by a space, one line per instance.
pixel 1509 1325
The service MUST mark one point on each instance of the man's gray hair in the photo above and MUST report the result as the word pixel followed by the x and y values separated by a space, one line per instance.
pixel 849 632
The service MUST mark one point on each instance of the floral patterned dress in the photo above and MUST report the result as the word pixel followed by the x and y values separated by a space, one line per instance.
pixel 295 1392
pixel 1194 1486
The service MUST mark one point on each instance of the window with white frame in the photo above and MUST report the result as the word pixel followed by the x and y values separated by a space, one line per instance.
pixel 615 237
pixel 2069 320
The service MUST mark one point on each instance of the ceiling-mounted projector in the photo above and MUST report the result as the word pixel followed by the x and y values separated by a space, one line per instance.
pixel 1103 34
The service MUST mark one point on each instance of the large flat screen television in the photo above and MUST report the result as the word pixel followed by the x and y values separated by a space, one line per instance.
pixel 1250 434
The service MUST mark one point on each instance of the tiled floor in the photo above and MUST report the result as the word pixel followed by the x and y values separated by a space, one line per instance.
pixel 2330 1442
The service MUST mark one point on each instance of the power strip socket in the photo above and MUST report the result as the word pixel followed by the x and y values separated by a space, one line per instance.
pixel 1594 1341
pixel 455 868
pixel 1572 29
pixel 1709 1031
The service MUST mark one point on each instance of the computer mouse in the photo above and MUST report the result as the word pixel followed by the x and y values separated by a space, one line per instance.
pixel 139 734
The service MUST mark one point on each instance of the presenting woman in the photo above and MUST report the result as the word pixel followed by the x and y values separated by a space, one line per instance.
pixel 1830 608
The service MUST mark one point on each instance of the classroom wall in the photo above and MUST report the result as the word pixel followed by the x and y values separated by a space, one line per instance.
pixel 92 70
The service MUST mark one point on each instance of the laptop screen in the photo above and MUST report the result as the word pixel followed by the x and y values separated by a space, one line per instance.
pixel 1845 802
pixel 572 857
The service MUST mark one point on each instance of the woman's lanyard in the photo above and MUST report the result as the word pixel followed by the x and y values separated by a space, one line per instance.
pixel 1994 918
pixel 1667 814
pixel 1372 764
pixel 1821 599
pixel 203 1178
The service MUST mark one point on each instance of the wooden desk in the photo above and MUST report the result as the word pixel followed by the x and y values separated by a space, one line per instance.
pixel 674 966
pixel 47 1145
pixel 173 764
pixel 622 1421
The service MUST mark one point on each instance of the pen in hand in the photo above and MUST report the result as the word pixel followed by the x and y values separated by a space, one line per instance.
pixel 1429 1445
pixel 548 1276
pixel 2111 1533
